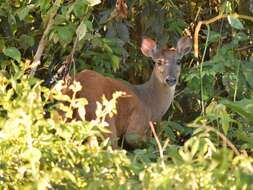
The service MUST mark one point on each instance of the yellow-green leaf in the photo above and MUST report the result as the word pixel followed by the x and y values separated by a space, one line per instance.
pixel 81 31
pixel 94 2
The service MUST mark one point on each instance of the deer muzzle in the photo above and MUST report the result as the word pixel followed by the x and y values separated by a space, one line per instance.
pixel 171 81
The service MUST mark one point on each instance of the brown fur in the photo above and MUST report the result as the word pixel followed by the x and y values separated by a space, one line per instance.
pixel 130 111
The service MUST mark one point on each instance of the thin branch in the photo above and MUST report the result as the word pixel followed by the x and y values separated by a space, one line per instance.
pixel 70 58
pixel 245 48
pixel 74 48
pixel 158 143
pixel 43 41
pixel 72 53
pixel 223 137
pixel 210 21
pixel 178 93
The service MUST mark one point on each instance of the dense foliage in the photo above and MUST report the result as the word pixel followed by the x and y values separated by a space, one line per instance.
pixel 206 136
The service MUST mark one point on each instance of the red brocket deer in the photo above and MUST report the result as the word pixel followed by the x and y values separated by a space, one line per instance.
pixel 142 103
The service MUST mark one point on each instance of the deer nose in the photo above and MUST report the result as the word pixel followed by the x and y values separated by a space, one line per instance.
pixel 171 81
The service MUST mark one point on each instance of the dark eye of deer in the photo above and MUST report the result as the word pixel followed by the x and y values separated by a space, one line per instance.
pixel 159 62
pixel 178 62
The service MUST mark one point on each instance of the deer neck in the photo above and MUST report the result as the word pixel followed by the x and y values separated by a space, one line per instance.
pixel 156 96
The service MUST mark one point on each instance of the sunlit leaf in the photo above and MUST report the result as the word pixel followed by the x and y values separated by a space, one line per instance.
pixel 32 155
pixel 235 22
pixel 115 62
pixel 81 31
pixel 94 2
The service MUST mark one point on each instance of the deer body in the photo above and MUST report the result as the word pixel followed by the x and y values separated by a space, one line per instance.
pixel 142 103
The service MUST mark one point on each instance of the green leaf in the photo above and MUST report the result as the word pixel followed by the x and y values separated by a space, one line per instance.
pixel 65 33
pixel 243 108
pixel 194 146
pixel 247 69
pixel 79 8
pixel 81 31
pixel 44 5
pixel 59 19
pixel 235 22
pixel 2 44
pixel 94 2
pixel 213 36
pixel 23 12
pixel 115 62
pixel 13 53
pixel 16 68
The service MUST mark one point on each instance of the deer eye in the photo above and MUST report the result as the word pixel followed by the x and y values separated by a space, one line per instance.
pixel 178 62
pixel 159 62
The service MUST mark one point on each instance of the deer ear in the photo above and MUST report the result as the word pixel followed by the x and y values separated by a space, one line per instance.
pixel 184 46
pixel 148 47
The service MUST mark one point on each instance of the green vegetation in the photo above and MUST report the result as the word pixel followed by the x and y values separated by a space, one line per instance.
pixel 207 135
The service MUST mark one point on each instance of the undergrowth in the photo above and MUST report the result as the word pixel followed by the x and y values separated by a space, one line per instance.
pixel 40 150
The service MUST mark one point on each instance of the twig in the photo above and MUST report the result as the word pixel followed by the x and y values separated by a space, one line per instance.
pixel 70 58
pixel 72 53
pixel 43 41
pixel 166 143
pixel 66 64
pixel 212 20
pixel 178 93
pixel 245 48
pixel 74 48
pixel 223 137
pixel 197 15
pixel 158 143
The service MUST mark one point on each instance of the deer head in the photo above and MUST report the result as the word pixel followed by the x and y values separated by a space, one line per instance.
pixel 167 61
